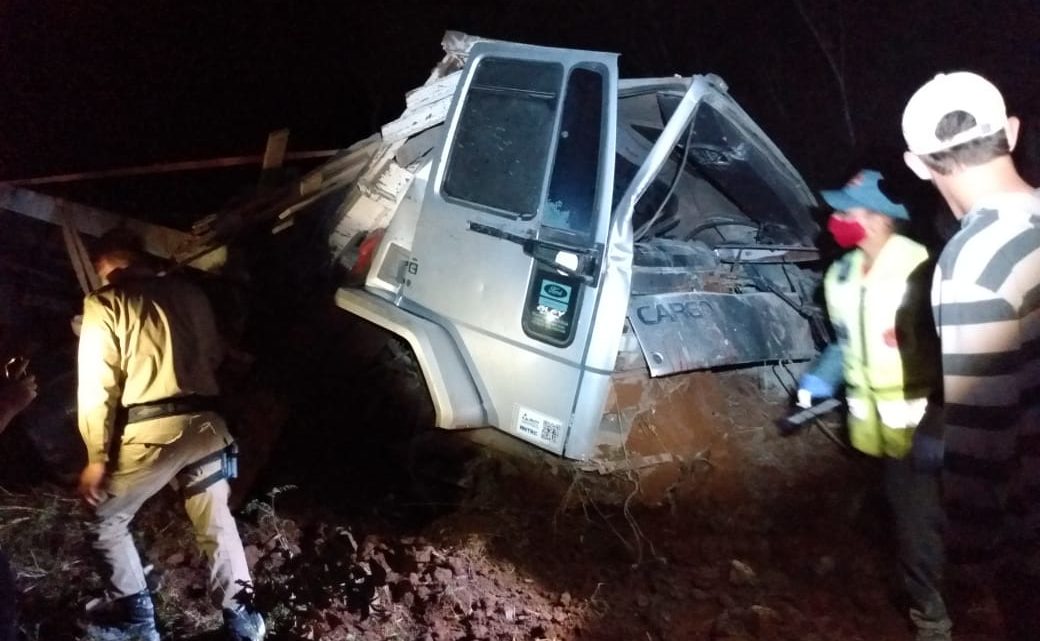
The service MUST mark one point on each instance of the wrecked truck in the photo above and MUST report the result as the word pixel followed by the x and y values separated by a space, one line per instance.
pixel 588 268
pixel 614 273
pixel 551 241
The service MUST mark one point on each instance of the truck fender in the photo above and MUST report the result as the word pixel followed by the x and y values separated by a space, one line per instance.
pixel 455 398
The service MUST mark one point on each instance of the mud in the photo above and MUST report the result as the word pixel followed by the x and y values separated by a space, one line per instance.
pixel 710 430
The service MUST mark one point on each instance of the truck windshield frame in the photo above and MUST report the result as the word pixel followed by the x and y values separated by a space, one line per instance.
pixel 502 147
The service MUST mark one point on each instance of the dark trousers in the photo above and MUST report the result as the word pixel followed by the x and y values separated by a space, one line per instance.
pixel 916 504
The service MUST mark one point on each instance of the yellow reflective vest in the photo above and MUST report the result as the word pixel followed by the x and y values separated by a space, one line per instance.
pixel 882 320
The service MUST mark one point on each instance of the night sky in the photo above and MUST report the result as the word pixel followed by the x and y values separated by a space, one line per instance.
pixel 98 84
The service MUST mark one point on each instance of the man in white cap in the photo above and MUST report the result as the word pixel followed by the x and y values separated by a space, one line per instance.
pixel 986 301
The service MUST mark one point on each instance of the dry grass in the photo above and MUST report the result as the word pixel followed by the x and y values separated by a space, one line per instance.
pixel 43 532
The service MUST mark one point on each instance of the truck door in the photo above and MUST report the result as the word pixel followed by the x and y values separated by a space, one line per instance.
pixel 508 249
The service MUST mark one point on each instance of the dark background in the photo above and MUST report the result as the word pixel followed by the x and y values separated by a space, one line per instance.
pixel 88 85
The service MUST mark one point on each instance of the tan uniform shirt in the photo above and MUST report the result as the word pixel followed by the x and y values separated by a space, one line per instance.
pixel 143 340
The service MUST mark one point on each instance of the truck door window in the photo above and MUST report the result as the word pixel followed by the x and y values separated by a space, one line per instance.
pixel 570 204
pixel 554 298
pixel 500 153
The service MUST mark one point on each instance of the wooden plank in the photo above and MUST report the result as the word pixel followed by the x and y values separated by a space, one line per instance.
pixel 368 180
pixel 165 167
pixel 394 182
pixel 347 168
pixel 158 240
pixel 86 275
pixel 217 228
pixel 413 121
pixel 419 145
pixel 274 152
pixel 436 90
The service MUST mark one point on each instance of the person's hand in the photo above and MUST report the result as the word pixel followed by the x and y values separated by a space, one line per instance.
pixel 812 387
pixel 927 452
pixel 23 391
pixel 92 483
pixel 15 368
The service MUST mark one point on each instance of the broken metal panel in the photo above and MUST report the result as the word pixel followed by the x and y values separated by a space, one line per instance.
pixel 664 265
pixel 732 172
pixel 686 331
pixel 737 155
pixel 393 183
pixel 766 254
pixel 616 284
pixel 372 202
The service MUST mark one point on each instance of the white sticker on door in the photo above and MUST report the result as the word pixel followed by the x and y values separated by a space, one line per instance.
pixel 538 426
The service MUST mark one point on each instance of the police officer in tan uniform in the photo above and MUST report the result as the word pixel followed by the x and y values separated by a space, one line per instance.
pixel 148 355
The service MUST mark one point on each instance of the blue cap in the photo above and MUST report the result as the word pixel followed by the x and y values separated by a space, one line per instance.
pixel 865 190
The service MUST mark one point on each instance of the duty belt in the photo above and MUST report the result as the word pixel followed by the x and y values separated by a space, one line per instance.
pixel 170 407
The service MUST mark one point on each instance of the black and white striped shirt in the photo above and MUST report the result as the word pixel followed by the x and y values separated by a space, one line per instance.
pixel 986 302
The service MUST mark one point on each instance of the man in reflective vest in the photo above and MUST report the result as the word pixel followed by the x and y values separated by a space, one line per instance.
pixel 887 354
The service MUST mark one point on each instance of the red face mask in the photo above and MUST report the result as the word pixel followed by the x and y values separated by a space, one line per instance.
pixel 847 233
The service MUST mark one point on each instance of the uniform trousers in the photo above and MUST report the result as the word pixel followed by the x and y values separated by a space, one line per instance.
pixel 184 451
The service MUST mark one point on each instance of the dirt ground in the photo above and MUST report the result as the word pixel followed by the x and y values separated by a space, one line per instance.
pixel 359 529
pixel 471 546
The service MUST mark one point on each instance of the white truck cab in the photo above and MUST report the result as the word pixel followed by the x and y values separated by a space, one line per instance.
pixel 551 229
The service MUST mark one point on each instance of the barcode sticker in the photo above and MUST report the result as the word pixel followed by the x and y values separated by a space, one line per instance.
pixel 538 426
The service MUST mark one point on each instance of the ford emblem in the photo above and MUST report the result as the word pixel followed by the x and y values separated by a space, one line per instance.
pixel 556 291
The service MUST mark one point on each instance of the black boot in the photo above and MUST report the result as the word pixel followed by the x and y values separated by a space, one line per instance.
pixel 242 623
pixel 132 619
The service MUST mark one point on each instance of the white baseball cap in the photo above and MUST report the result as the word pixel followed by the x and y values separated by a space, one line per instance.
pixel 945 94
